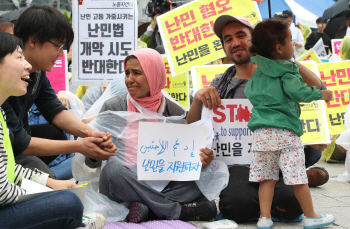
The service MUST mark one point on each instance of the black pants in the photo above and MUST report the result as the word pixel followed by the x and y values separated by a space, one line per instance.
pixel 33 162
pixel 239 201
pixel 47 131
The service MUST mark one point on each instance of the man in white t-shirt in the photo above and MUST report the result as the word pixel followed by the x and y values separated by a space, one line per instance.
pixel 297 36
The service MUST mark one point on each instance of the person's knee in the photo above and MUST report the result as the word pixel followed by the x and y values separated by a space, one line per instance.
pixel 70 206
pixel 113 172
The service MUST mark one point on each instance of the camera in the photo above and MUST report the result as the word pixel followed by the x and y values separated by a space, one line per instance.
pixel 155 7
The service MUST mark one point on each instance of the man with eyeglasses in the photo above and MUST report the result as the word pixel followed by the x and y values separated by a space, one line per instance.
pixel 44 31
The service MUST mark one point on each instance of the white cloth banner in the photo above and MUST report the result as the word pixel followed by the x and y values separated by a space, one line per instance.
pixel 106 32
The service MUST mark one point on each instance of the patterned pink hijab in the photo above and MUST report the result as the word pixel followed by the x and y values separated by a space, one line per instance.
pixel 153 66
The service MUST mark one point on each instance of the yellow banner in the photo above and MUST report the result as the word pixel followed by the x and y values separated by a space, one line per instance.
pixel 310 55
pixel 203 75
pixel 187 32
pixel 313 119
pixel 177 87
pixel 336 76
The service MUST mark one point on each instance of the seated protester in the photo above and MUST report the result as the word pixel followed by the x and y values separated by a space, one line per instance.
pixel 145 77
pixel 239 201
pixel 316 35
pixel 44 31
pixel 56 210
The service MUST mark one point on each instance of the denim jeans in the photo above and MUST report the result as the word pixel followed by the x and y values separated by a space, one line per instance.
pixel 61 209
pixel 63 170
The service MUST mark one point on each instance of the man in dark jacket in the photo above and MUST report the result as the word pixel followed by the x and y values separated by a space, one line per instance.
pixel 44 31
pixel 316 35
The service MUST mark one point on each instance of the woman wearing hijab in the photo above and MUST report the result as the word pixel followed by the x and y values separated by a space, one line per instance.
pixel 145 77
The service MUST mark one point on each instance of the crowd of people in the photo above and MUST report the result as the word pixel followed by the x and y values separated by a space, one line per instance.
pixel 274 185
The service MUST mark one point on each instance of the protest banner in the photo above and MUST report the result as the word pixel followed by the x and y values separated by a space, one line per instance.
pixel 309 55
pixel 169 151
pixel 336 43
pixel 105 33
pixel 319 48
pixel 336 76
pixel 58 77
pixel 187 32
pixel 203 75
pixel 313 116
pixel 232 137
pixel 178 87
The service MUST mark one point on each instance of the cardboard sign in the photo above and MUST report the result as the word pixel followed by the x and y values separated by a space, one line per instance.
pixel 169 151
pixel 232 137
pixel 187 32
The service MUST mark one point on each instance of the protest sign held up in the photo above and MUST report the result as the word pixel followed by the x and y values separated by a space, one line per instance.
pixel 188 35
pixel 106 32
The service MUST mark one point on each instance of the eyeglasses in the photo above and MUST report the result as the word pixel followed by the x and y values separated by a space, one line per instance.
pixel 59 46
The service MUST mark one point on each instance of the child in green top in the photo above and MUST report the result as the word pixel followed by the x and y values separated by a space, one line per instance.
pixel 275 90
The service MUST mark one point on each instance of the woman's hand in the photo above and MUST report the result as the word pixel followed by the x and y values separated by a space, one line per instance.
pixel 60 184
pixel 207 156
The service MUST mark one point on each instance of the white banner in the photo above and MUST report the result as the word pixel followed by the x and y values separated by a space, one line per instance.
pixel 105 33
pixel 169 151
pixel 319 48
pixel 232 137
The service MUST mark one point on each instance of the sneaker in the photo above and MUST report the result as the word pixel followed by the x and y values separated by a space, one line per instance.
pixel 138 212
pixel 93 220
pixel 203 210
pixel 322 221
pixel 264 223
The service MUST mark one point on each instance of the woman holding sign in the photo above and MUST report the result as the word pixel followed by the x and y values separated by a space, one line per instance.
pixel 145 77
pixel 56 210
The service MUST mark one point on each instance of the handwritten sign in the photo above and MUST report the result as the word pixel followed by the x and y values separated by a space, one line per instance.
pixel 187 32
pixel 232 137
pixel 336 44
pixel 319 48
pixel 169 151
pixel 203 75
pixel 58 75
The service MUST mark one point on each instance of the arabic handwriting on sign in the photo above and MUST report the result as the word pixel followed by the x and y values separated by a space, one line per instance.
pixel 163 145
pixel 174 147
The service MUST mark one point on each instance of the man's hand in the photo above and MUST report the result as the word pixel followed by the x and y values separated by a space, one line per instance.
pixel 319 147
pixel 107 144
pixel 60 184
pixel 209 97
pixel 207 156
pixel 89 146
pixel 154 22
pixel 298 44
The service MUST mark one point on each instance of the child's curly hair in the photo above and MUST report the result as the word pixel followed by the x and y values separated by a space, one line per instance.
pixel 266 35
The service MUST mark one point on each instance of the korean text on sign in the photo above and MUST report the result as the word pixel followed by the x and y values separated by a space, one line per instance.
pixel 187 32
pixel 203 75
pixel 336 76
pixel 232 137
pixel 169 151
pixel 105 36
pixel 177 87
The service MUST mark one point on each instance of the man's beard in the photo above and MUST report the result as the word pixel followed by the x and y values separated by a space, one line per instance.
pixel 239 61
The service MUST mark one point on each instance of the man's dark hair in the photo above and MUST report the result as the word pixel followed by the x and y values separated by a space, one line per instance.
pixel 318 20
pixel 5 25
pixel 8 44
pixel 288 12
pixel 266 35
pixel 222 41
pixel 43 23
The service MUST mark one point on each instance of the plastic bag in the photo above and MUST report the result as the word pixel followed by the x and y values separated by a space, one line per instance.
pixel 115 88
pixel 81 172
pixel 76 107
pixel 96 202
pixel 91 95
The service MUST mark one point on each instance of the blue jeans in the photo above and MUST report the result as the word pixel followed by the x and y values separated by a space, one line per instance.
pixel 61 209
pixel 63 170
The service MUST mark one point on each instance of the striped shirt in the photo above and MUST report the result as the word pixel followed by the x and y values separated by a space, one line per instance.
pixel 9 192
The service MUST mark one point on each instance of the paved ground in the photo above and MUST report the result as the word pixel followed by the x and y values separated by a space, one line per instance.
pixel 330 198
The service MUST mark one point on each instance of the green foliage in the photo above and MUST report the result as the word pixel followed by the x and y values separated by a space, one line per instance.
pixel 345 48
pixel 66 15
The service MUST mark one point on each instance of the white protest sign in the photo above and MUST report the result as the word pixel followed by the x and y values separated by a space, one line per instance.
pixel 232 137
pixel 319 48
pixel 336 43
pixel 169 151
pixel 105 33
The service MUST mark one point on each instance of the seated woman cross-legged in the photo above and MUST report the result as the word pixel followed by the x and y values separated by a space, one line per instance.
pixel 145 77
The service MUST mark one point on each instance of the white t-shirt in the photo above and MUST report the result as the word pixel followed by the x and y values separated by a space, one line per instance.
pixel 297 36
